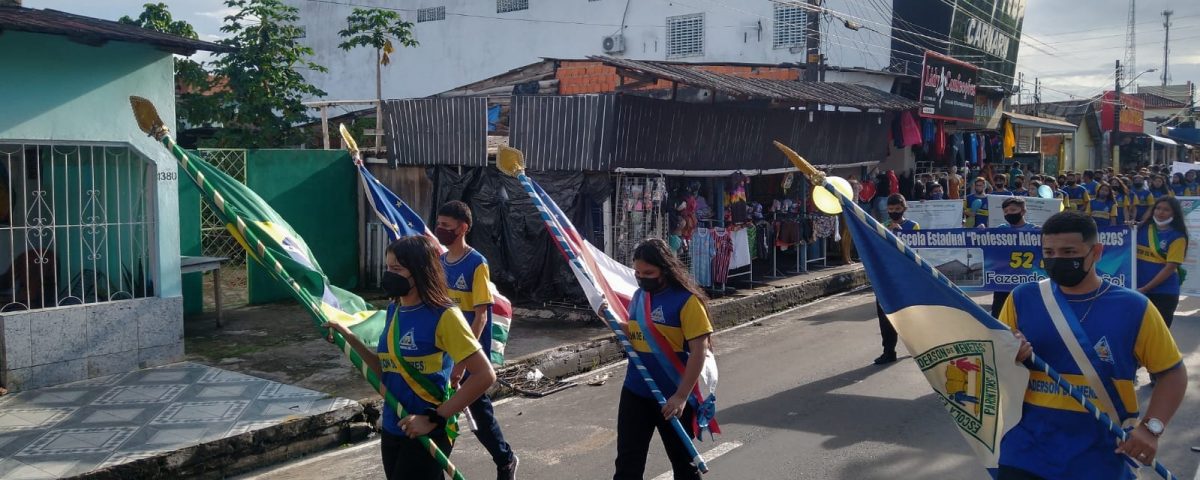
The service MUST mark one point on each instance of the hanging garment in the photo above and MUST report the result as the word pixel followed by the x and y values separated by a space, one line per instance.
pixel 787 233
pixel 741 248
pixel 722 256
pixel 973 148
pixel 1010 139
pixel 939 140
pixel 928 131
pixel 824 226
pixel 910 134
pixel 702 251
pixel 752 240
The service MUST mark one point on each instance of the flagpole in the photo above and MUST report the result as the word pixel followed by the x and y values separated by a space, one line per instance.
pixel 154 127
pixel 1034 362
pixel 511 161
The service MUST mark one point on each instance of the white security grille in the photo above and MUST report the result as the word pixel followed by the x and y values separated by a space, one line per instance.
pixel 790 24
pixel 685 35
pixel 76 225
pixel 511 5
pixel 215 240
pixel 431 14
pixel 639 214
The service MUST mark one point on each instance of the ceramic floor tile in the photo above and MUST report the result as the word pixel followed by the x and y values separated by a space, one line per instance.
pixel 135 394
pixel 92 382
pixel 113 415
pixel 71 441
pixel 32 418
pixel 200 412
pixel 11 469
pixel 59 396
pixel 280 390
pixel 216 375
pixel 176 436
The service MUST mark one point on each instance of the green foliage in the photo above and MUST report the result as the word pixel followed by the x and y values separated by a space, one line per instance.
pixel 376 28
pixel 262 101
pixel 191 79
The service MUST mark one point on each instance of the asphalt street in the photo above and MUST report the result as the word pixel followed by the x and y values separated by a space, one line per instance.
pixel 799 399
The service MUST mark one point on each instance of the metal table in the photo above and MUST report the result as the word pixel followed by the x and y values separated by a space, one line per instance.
pixel 206 264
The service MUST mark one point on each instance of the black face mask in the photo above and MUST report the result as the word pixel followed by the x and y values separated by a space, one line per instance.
pixel 652 285
pixel 445 236
pixel 1013 218
pixel 1067 272
pixel 896 216
pixel 395 285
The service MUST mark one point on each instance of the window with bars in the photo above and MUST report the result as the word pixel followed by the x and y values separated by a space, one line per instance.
pixel 685 35
pixel 511 5
pixel 431 14
pixel 76 225
pixel 790 24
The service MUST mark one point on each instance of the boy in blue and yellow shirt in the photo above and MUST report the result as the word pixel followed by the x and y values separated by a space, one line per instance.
pixel 1118 331
pixel 467 277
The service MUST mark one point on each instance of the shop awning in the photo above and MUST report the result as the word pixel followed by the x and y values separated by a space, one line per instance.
pixel 1162 140
pixel 1048 124
pixel 1185 135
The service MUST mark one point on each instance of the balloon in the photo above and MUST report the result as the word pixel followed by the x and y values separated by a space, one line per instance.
pixel 826 201
pixel 1044 191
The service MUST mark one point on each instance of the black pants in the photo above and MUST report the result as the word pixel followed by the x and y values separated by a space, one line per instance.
pixel 886 330
pixel 637 418
pixel 1165 303
pixel 1010 473
pixel 488 432
pixel 405 458
pixel 998 299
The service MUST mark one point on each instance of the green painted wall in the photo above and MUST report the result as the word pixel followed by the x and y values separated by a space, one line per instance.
pixel 56 90
pixel 189 244
pixel 316 192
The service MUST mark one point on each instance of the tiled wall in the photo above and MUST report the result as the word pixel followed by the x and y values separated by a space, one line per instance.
pixel 67 344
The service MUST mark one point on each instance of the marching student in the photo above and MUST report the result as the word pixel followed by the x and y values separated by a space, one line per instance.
pixel 1122 200
pixel 1102 208
pixel 1020 189
pixel 1059 193
pixel 1090 182
pixel 467 277
pixel 1014 218
pixel 1161 248
pixel 975 205
pixel 1107 329
pixel 1077 193
pixel 1193 185
pixel 1179 187
pixel 425 336
pixel 1000 185
pixel 896 223
pixel 678 312
pixel 1159 188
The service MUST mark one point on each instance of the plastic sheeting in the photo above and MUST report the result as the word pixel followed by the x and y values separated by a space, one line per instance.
pixel 510 233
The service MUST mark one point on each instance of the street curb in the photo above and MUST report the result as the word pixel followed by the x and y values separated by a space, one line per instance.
pixel 570 360
pixel 242 453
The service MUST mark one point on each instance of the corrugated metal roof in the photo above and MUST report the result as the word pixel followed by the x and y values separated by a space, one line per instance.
pixel 436 131
pixel 95 31
pixel 831 93
pixel 1042 123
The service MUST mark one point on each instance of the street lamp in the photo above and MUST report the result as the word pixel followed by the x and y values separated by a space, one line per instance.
pixel 1152 70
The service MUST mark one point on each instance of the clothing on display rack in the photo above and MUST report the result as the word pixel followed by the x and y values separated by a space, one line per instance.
pixel 824 226
pixel 741 248
pixel 722 254
pixel 702 250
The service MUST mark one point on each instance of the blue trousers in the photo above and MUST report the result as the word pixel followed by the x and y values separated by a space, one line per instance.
pixel 489 433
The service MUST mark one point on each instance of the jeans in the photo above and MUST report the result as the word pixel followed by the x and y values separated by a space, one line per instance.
pixel 405 458
pixel 1166 304
pixel 637 418
pixel 887 331
pixel 489 433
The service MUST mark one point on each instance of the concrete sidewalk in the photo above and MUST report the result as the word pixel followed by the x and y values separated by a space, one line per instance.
pixel 279 345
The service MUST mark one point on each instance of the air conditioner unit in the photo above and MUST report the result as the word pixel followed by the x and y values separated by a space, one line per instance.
pixel 614 44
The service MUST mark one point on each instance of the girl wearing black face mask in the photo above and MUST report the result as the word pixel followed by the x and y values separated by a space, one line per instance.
pixel 1162 246
pixel 675 353
pixel 425 336
pixel 1102 209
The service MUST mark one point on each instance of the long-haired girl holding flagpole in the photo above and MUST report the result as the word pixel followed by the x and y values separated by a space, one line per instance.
pixel 1162 246
pixel 670 301
pixel 425 336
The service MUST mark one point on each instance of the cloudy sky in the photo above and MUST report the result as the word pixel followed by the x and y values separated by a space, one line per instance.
pixel 1069 45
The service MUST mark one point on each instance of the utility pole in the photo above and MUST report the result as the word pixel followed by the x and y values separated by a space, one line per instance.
pixel 812 59
pixel 1166 77
pixel 1037 96
pixel 1116 130
pixel 1020 86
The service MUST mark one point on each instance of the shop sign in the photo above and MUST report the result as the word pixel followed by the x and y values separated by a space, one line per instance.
pixel 948 88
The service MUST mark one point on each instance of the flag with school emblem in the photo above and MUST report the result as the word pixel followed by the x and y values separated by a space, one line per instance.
pixel 968 357
pixel 401 221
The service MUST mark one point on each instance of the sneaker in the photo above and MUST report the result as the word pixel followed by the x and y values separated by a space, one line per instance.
pixel 886 358
pixel 508 472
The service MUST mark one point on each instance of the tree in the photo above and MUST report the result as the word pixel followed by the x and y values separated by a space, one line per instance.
pixel 191 79
pixel 264 90
pixel 377 28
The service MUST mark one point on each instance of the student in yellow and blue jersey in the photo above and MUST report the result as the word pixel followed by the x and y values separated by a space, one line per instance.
pixel 1102 208
pixel 679 314
pixel 1159 187
pixel 1178 187
pixel 1193 185
pixel 975 205
pixel 1014 218
pixel 896 223
pixel 1114 331
pixel 1162 246
pixel 1059 193
pixel 1000 185
pixel 1140 198
pixel 1121 199
pixel 1020 189
pixel 1090 182
pixel 467 277
pixel 1077 193
pixel 424 338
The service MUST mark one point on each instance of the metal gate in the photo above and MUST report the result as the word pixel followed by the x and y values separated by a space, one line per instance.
pixel 639 213
pixel 215 240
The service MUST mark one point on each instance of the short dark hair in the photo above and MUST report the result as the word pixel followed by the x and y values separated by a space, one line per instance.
pixel 896 199
pixel 1089 173
pixel 456 210
pixel 1071 222
pixel 1013 201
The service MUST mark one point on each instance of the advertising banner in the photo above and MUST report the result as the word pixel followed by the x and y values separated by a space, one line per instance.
pixel 936 214
pixel 1191 263
pixel 997 260
pixel 948 88
pixel 1037 209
